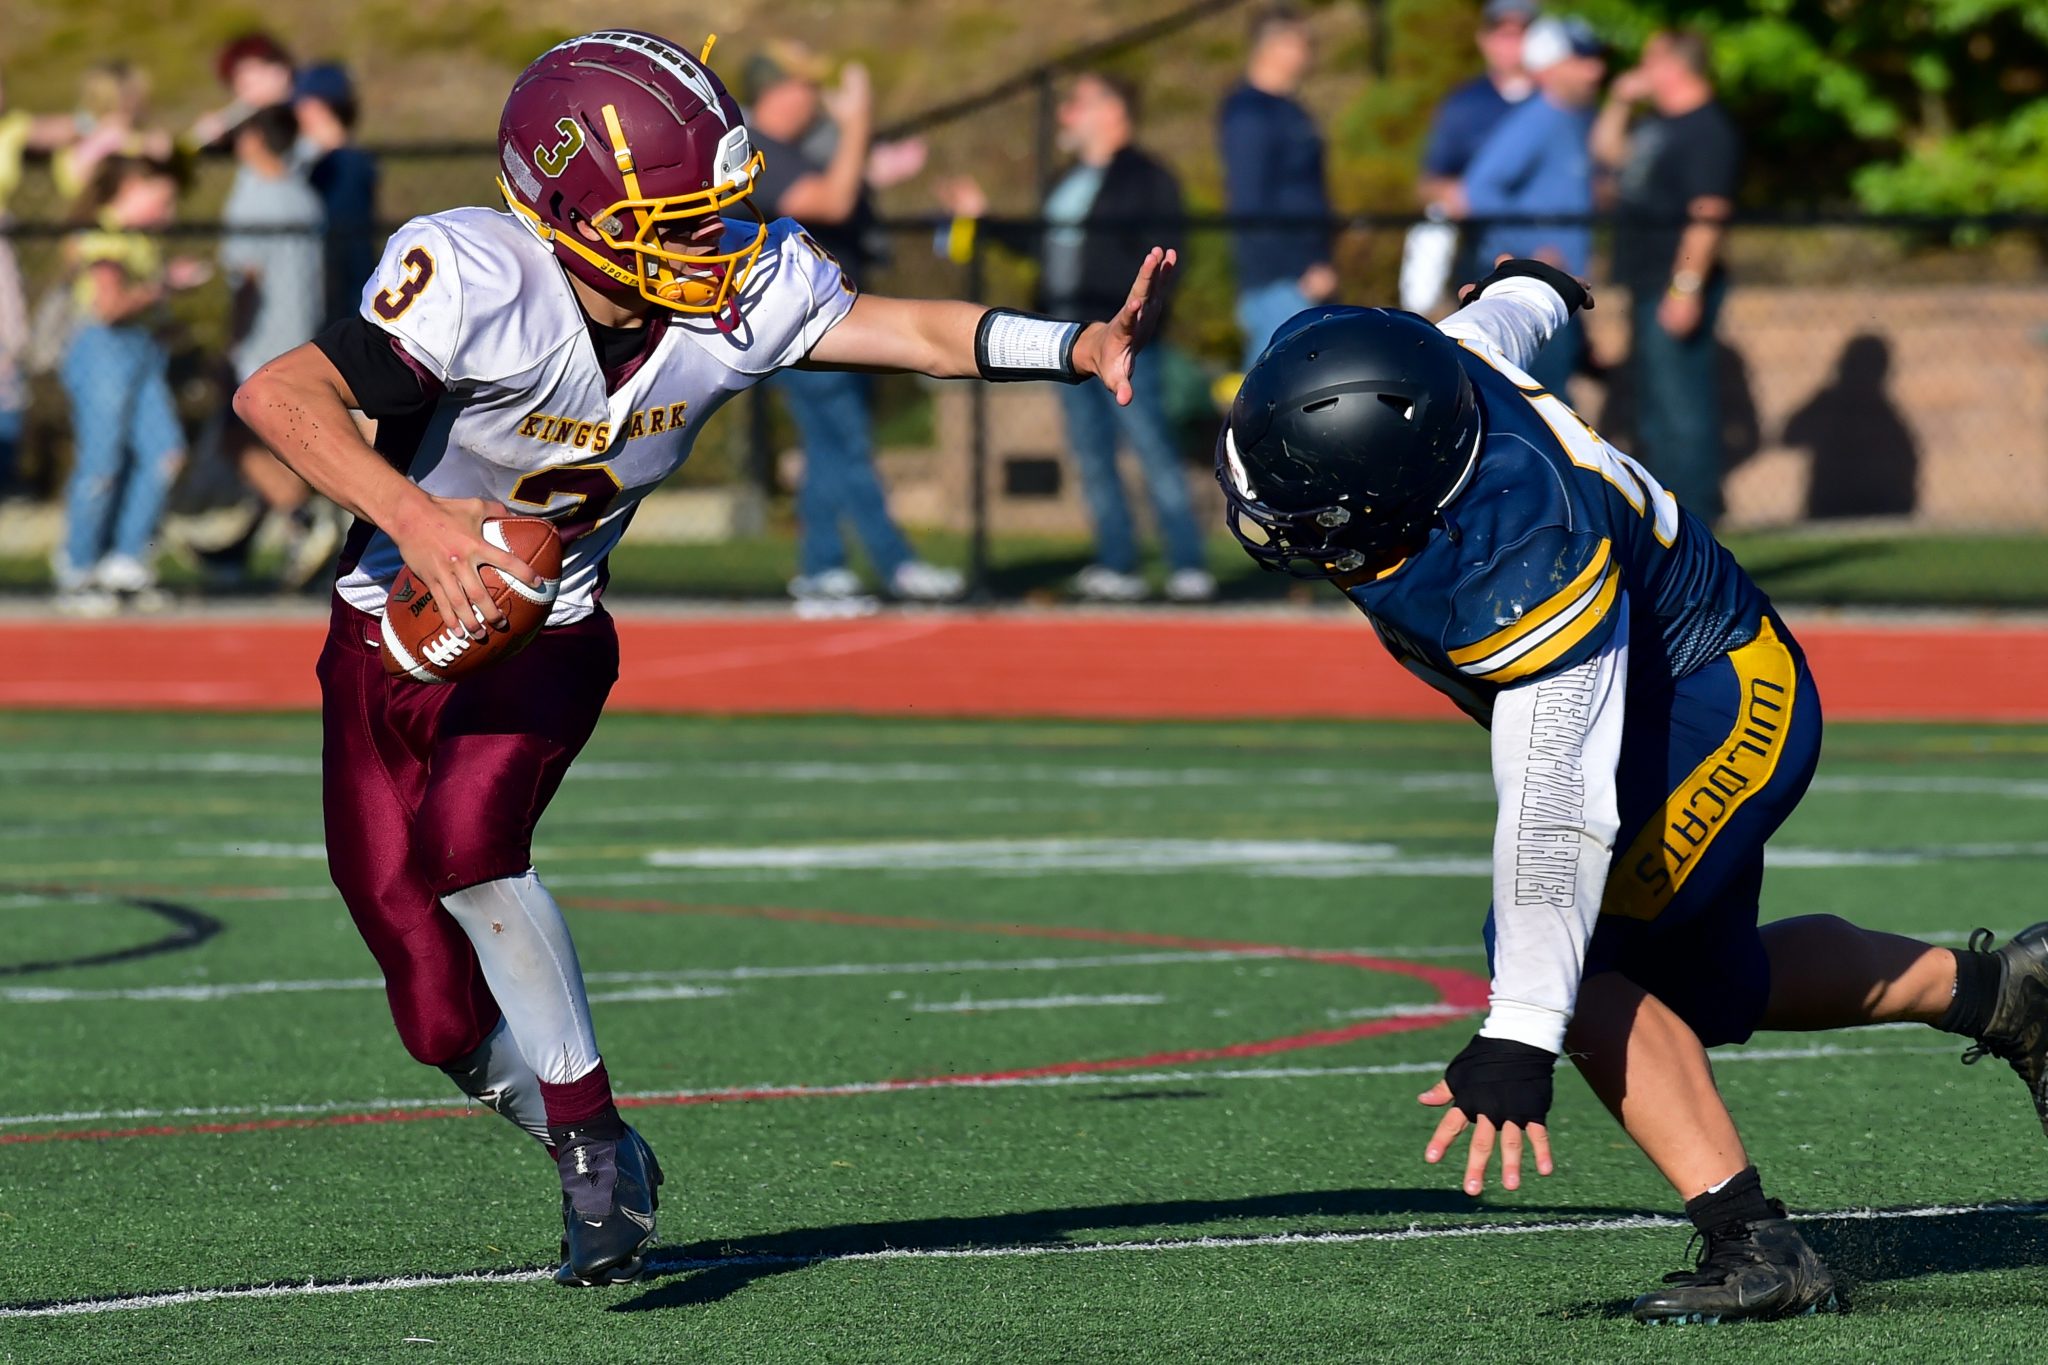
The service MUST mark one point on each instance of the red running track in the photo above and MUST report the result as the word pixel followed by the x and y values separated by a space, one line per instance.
pixel 1162 666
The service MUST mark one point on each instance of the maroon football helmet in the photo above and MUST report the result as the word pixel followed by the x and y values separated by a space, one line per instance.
pixel 629 134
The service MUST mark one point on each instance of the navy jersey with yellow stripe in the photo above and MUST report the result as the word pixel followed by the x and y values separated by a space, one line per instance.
pixel 1552 528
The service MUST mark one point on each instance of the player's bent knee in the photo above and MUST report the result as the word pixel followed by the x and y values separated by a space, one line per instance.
pixel 433 1034
pixel 455 849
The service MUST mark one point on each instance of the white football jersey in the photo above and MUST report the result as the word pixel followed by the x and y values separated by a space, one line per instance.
pixel 524 416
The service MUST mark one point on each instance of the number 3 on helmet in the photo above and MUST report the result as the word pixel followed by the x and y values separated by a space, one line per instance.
pixel 632 136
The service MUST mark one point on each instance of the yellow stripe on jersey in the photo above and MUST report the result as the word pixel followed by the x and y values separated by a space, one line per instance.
pixel 1534 620
pixel 1568 635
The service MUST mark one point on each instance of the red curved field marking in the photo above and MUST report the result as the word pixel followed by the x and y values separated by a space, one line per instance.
pixel 1458 989
pixel 1454 988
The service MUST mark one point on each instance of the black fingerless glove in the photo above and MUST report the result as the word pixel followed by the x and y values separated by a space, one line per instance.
pixel 1502 1080
pixel 1570 290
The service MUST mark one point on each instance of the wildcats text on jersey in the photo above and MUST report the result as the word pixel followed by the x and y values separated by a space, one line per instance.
pixel 597 436
pixel 1657 862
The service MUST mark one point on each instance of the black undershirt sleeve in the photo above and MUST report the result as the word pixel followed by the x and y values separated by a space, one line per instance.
pixel 366 355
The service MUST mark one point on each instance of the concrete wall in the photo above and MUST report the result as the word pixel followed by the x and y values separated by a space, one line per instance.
pixel 1923 406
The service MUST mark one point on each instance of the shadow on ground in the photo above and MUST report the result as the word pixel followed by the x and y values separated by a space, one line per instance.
pixel 1874 1251
pixel 781 1252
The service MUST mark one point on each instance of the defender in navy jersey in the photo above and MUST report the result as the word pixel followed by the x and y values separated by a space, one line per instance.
pixel 1652 723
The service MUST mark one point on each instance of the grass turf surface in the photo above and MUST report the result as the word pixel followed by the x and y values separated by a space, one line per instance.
pixel 1809 566
pixel 671 843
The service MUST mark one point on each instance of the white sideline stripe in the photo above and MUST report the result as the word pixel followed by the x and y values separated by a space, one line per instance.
pixel 1476 784
pixel 50 995
pixel 849 1088
pixel 1270 858
pixel 1028 855
pixel 678 1264
pixel 1037 1002
pixel 256 848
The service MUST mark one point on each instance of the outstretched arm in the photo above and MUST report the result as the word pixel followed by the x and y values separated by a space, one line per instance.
pixel 940 337
pixel 1517 308
pixel 1556 745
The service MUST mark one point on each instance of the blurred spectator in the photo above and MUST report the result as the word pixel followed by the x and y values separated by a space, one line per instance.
pixel 345 176
pixel 129 445
pixel 1537 162
pixel 112 120
pixel 1109 207
pixel 1466 116
pixel 793 119
pixel 1273 166
pixel 272 259
pixel 20 132
pixel 256 70
pixel 1678 168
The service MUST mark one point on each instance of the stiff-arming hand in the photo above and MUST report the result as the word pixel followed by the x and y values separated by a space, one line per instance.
pixel 1108 350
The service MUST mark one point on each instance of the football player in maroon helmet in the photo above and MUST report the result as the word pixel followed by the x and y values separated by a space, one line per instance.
pixel 558 360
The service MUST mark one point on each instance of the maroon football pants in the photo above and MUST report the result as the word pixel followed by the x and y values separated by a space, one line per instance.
pixel 428 789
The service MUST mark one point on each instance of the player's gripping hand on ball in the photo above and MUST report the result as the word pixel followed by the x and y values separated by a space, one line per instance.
pixel 299 403
pixel 1500 1089
pixel 442 542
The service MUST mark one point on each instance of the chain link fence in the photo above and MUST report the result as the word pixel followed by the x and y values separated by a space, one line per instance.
pixel 1882 383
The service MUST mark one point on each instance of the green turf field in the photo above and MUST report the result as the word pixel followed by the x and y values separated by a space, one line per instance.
pixel 1821 567
pixel 1256 1207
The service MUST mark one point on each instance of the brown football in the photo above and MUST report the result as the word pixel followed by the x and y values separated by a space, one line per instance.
pixel 420 643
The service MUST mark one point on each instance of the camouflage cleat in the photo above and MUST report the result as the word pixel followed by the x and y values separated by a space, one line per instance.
pixel 2018 1033
pixel 609 1195
pixel 1755 1270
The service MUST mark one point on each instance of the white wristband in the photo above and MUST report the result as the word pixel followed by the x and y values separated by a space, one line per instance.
pixel 1011 346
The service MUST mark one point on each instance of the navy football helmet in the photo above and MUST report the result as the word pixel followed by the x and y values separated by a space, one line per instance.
pixel 1350 434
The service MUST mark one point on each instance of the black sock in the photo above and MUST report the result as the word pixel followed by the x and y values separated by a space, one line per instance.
pixel 605 1126
pixel 1977 979
pixel 1740 1199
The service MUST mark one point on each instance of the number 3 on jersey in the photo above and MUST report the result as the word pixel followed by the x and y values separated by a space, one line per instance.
pixel 419 271
pixel 573 496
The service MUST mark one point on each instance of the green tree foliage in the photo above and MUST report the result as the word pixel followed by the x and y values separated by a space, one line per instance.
pixel 1934 106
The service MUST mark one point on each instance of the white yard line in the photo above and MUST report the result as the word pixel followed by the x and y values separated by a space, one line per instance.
pixel 640 994
pixel 1453 782
pixel 230 990
pixel 53 995
pixel 676 1264
pixel 1816 1052
pixel 1307 859
pixel 1401 1012
pixel 966 1005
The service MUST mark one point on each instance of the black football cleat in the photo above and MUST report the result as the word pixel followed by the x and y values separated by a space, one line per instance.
pixel 610 1191
pixel 1754 1270
pixel 2018 1034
